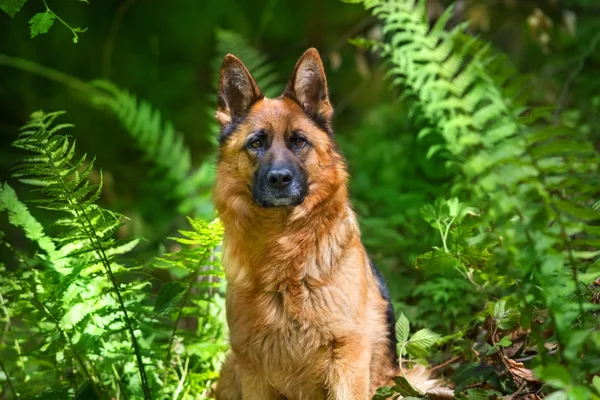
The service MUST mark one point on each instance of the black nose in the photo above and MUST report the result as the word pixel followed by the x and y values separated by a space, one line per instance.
pixel 279 178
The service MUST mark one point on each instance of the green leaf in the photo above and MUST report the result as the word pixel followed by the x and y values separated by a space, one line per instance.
pixel 402 329
pixel 481 394
pixel 11 7
pixel 560 395
pixel 41 23
pixel 596 383
pixel 384 393
pixel 168 295
pixel 504 342
pixel 554 375
pixel 419 343
pixel 505 316
pixel 405 388
pixel 436 262
pixel 582 213
pixel 362 42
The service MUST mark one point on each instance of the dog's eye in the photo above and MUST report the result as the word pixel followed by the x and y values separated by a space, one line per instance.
pixel 299 142
pixel 256 144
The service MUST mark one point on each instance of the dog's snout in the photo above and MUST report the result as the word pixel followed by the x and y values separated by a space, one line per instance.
pixel 279 178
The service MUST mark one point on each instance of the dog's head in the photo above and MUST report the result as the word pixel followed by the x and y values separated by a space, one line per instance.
pixel 276 152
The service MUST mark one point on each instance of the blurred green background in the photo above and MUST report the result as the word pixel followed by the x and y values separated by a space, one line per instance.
pixel 168 53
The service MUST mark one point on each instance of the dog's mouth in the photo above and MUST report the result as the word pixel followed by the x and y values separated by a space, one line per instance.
pixel 289 197
pixel 278 200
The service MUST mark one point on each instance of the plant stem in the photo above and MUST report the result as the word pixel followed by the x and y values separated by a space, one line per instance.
pixel 182 380
pixel 10 385
pixel 73 31
pixel 88 228
pixel 49 73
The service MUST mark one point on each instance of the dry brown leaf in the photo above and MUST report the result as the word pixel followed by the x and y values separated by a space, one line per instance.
pixel 440 393
pixel 520 370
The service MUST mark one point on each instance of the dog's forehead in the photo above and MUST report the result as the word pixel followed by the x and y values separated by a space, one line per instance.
pixel 276 115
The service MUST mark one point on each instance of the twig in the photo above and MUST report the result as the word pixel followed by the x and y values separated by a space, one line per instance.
pixel 445 363
pixel 518 392
pixel 572 76
pixel 529 358
pixel 10 385
pixel 112 36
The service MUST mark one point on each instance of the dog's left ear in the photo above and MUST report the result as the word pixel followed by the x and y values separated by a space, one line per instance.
pixel 308 86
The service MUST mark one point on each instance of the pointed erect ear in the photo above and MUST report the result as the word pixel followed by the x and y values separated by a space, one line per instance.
pixel 308 86
pixel 237 90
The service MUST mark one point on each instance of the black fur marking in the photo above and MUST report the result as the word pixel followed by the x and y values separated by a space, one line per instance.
pixel 390 318
pixel 228 129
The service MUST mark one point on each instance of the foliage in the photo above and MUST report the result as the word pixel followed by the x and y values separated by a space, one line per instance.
pixel 161 144
pixel 533 240
pixel 476 188
pixel 42 21
pixel 76 307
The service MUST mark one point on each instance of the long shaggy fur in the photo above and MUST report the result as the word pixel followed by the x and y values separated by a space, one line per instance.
pixel 307 317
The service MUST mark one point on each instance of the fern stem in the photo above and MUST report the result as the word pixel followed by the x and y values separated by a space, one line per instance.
pixel 49 73
pixel 182 380
pixel 120 388
pixel 7 328
pixel 112 36
pixel 567 244
pixel 188 290
pixel 97 244
pixel 8 380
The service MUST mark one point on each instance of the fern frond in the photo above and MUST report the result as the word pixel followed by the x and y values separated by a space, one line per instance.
pixel 64 182
pixel 198 257
pixel 534 181
pixel 163 146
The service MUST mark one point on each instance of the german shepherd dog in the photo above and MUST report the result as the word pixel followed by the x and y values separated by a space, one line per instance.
pixel 309 315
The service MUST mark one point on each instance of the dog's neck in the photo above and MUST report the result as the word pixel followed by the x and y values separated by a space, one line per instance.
pixel 286 249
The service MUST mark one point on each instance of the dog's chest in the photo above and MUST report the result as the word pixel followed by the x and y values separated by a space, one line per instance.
pixel 290 345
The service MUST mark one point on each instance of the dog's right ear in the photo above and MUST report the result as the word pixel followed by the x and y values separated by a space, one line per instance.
pixel 237 90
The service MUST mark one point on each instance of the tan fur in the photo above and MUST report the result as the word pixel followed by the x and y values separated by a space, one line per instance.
pixel 306 318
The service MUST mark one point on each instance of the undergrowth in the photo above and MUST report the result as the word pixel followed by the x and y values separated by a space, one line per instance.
pixel 509 298
pixel 80 320
pixel 524 235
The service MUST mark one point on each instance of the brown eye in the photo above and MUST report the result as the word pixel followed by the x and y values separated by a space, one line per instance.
pixel 299 142
pixel 256 144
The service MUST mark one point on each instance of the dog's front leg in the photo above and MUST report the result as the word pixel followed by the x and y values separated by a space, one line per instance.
pixel 255 387
pixel 348 375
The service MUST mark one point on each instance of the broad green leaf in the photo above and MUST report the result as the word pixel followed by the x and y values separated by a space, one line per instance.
pixel 579 393
pixel 384 393
pixel 582 213
pixel 596 383
pixel 402 329
pixel 505 341
pixel 554 375
pixel 419 343
pixel 11 7
pixel 454 207
pixel 481 394
pixel 436 262
pixel 404 387
pixel 505 316
pixel 168 295
pixel 41 23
